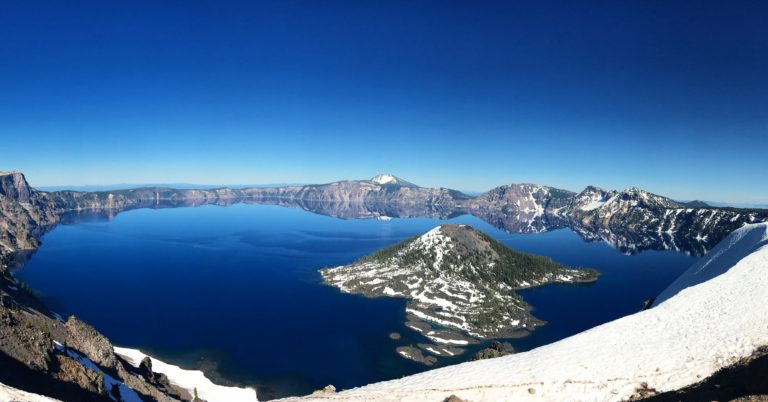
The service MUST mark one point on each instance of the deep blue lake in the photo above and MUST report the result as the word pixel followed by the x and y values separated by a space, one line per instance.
pixel 237 289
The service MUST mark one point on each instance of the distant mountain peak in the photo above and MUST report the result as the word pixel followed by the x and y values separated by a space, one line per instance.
pixel 695 204
pixel 634 189
pixel 592 189
pixel 386 179
pixel 592 198
pixel 649 199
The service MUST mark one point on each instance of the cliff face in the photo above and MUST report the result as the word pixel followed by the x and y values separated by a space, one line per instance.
pixel 14 186
pixel 24 215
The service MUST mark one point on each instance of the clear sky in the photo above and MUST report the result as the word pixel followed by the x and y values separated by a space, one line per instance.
pixel 670 96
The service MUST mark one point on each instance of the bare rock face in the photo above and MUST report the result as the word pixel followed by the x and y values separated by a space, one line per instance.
pixel 149 383
pixel 160 380
pixel 94 345
pixel 526 198
pixel 68 370
pixel 14 186
pixel 145 367
pixel 24 215
pixel 497 349
pixel 21 339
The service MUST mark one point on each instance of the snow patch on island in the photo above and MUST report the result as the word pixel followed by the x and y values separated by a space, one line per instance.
pixel 191 379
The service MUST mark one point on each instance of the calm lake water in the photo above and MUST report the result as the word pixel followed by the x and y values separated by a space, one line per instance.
pixel 237 289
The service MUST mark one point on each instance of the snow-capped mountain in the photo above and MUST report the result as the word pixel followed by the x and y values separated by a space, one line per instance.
pixel 521 208
pixel 713 318
pixel 524 198
pixel 391 180
pixel 609 202
pixel 457 278
pixel 591 198
pixel 635 219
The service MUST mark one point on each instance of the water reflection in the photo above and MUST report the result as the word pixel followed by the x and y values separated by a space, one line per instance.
pixel 626 240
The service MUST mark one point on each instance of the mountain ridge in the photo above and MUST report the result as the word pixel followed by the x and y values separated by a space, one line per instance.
pixel 631 220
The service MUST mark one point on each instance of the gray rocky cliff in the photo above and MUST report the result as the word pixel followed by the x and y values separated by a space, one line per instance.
pixel 14 186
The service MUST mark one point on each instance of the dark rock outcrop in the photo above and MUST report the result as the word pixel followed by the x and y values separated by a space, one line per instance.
pixel 90 342
pixel 497 349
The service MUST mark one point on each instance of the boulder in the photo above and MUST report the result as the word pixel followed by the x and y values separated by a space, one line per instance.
pixel 497 349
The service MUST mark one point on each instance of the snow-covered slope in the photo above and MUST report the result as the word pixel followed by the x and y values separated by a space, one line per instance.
pixel 713 317
pixel 191 380
pixel 9 394
pixel 720 259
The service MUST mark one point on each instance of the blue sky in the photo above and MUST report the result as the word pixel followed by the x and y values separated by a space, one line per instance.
pixel 670 96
